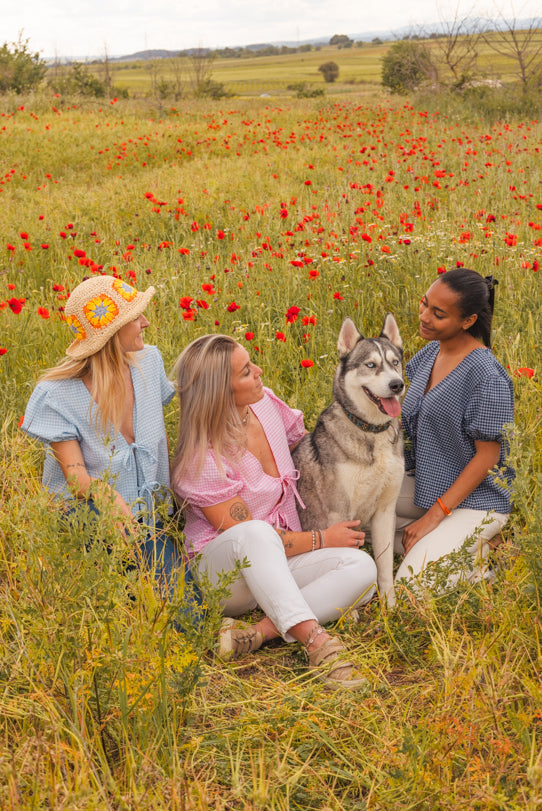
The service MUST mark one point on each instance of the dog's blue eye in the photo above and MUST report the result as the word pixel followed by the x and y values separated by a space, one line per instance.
pixel 396 362
pixel 370 365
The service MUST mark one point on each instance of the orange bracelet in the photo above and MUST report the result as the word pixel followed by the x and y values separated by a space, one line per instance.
pixel 443 507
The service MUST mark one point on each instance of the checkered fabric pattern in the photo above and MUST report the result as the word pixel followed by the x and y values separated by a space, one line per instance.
pixel 60 410
pixel 472 403
pixel 268 498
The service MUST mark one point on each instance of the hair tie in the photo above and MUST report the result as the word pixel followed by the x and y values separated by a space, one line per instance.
pixel 491 281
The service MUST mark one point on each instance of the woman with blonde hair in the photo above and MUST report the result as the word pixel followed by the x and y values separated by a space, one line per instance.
pixel 100 413
pixel 234 475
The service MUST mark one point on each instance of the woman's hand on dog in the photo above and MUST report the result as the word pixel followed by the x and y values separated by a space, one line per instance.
pixel 344 534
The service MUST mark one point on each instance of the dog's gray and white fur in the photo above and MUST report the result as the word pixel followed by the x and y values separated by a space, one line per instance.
pixel 351 466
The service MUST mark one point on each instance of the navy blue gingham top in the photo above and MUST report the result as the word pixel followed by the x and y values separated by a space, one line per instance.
pixel 473 402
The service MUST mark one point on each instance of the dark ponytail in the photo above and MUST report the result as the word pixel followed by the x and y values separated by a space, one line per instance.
pixel 476 296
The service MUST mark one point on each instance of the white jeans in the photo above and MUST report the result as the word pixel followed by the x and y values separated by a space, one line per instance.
pixel 449 536
pixel 317 585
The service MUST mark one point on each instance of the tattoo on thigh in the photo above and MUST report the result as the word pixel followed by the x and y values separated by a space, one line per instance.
pixel 239 512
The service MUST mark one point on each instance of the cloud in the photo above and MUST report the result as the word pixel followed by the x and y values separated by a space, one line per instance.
pixel 83 27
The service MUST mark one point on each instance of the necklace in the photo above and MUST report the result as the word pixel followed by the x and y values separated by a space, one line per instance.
pixel 245 419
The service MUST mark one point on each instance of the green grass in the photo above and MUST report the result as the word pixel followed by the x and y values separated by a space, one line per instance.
pixel 102 703
pixel 254 76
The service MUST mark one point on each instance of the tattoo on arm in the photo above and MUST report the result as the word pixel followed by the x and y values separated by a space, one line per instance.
pixel 288 544
pixel 239 512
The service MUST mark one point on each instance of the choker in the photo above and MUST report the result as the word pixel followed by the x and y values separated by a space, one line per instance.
pixel 366 426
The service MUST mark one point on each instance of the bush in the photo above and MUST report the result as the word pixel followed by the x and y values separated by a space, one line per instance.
pixel 20 70
pixel 303 91
pixel 77 80
pixel 330 71
pixel 212 90
pixel 405 66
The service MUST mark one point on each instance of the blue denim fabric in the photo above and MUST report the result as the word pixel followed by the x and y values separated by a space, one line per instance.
pixel 159 552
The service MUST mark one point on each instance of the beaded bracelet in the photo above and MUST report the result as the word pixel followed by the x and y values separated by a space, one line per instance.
pixel 313 540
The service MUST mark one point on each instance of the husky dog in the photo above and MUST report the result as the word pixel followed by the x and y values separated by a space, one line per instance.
pixel 351 466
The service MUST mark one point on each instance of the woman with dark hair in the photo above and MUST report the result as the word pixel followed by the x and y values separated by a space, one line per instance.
pixel 457 483
pixel 234 476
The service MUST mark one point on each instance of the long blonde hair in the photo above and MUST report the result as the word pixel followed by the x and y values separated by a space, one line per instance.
pixel 105 370
pixel 208 414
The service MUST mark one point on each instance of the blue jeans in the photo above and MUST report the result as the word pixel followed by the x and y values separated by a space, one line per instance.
pixel 159 552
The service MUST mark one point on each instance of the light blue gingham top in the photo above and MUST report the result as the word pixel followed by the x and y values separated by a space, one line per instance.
pixel 59 410
pixel 471 403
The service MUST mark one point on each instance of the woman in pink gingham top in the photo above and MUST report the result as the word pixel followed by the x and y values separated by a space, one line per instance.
pixel 234 476
pixel 269 498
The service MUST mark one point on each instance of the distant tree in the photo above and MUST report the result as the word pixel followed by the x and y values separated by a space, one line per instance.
pixel 376 41
pixel 106 71
pixel 330 71
pixel 176 64
pixel 454 52
pixel 405 66
pixel 201 64
pixel 76 79
pixel 212 90
pixel 521 43
pixel 341 41
pixel 20 69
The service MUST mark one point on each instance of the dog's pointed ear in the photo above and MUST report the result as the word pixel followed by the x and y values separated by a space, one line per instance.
pixel 390 330
pixel 348 337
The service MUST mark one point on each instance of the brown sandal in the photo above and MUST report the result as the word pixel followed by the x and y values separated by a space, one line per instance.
pixel 331 663
pixel 236 639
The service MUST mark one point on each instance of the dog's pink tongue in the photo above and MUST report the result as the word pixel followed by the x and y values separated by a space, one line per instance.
pixel 391 405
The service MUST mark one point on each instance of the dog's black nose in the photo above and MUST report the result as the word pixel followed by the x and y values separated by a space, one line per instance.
pixel 397 386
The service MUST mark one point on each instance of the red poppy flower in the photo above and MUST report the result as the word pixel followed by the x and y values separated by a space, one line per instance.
pixel 249 336
pixel 306 363
pixel 204 305
pixel 11 286
pixel 338 296
pixel 44 312
pixel 10 247
pixel 208 288
pixel 524 371
pixel 24 235
pixel 79 254
pixel 280 336
pixel 189 315
pixel 16 304
pixel 3 350
pixel 185 302
pixel 292 313
pixel 220 234
pixel 231 308
pixel 308 319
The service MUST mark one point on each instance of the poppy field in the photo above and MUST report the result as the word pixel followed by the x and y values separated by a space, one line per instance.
pixel 270 221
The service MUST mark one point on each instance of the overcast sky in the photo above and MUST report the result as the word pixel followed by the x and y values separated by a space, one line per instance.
pixel 84 28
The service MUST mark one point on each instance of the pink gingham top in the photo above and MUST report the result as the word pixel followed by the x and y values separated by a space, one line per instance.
pixel 269 498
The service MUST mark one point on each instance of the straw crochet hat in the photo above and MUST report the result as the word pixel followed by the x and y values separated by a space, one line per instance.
pixel 99 307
